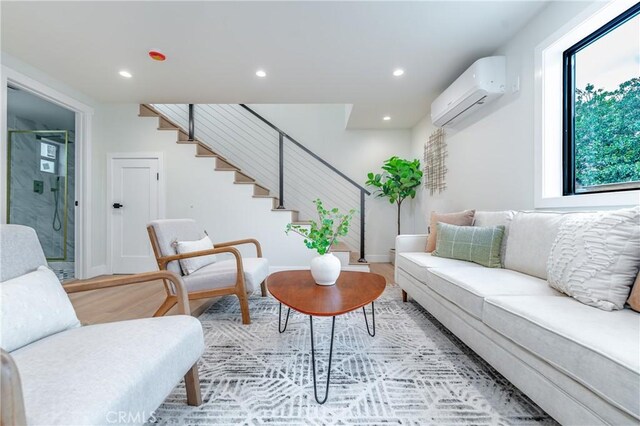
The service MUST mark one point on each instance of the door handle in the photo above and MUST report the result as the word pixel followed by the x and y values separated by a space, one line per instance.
pixel 117 205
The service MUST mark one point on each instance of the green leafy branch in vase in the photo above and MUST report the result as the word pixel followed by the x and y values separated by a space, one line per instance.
pixel 322 235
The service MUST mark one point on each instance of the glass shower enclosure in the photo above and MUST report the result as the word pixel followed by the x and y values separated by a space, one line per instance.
pixel 38 191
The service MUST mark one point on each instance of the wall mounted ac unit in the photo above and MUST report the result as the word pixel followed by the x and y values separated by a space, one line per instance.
pixel 483 82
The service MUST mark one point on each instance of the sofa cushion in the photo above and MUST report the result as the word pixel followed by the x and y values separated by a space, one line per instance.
pixel 478 244
pixel 33 306
pixel 531 235
pixel 599 349
pixel 89 375
pixel 595 257
pixel 499 218
pixel 223 274
pixel 467 288
pixel 416 264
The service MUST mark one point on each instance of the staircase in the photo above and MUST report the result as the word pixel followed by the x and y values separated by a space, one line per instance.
pixel 169 122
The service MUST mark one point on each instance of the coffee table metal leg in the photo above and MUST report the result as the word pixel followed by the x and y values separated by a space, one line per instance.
pixel 286 321
pixel 313 362
pixel 373 320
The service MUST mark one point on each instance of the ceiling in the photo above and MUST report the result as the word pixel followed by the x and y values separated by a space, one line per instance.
pixel 313 52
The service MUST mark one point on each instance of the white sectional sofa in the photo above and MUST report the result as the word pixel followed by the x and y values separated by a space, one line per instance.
pixel 579 363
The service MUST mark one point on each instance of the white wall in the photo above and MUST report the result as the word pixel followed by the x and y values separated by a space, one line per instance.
pixel 491 156
pixel 226 210
pixel 193 188
pixel 321 128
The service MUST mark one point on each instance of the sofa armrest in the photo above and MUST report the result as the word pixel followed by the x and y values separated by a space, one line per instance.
pixel 411 243
pixel 12 412
pixel 181 290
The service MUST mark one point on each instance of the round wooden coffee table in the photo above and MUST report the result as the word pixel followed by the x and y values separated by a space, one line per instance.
pixel 353 290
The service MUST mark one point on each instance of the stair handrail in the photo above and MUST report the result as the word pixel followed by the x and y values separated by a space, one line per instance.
pixel 307 150
pixel 282 135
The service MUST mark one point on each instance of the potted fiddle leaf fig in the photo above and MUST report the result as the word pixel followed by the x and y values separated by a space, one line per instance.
pixel 397 182
pixel 321 236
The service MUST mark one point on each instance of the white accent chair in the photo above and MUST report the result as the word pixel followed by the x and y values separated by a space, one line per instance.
pixel 236 276
pixel 118 372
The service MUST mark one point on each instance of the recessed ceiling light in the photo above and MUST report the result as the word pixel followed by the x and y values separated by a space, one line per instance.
pixel 125 74
pixel 261 73
pixel 398 72
pixel 386 118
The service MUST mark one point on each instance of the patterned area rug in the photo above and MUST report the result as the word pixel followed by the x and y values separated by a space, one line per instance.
pixel 414 371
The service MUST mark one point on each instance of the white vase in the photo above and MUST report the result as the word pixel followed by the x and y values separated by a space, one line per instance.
pixel 325 269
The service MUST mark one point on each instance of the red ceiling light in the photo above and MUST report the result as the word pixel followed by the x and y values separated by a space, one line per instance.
pixel 156 55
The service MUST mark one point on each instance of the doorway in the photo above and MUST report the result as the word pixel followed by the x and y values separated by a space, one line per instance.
pixel 41 175
pixel 134 197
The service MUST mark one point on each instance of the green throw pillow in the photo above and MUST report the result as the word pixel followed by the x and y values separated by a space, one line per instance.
pixel 478 244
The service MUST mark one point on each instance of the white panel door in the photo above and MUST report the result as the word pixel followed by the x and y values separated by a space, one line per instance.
pixel 133 203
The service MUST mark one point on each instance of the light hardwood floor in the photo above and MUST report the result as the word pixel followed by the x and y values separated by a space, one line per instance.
pixel 142 300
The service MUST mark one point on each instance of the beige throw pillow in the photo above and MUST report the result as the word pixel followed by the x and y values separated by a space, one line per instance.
pixel 192 264
pixel 634 298
pixel 464 218
pixel 595 257
pixel 33 307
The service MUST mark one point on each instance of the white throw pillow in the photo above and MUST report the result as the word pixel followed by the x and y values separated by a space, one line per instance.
pixel 192 264
pixel 595 257
pixel 33 306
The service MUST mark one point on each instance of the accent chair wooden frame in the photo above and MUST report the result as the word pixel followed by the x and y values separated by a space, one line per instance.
pixel 237 288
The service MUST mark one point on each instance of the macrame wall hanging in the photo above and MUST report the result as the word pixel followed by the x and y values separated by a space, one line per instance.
pixel 435 169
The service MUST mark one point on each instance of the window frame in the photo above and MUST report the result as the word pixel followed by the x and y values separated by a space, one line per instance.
pixel 568 110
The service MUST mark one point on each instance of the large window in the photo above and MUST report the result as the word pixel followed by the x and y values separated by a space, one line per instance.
pixel 601 122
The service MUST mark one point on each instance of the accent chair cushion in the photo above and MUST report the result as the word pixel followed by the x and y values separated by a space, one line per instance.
pixel 168 231
pixel 192 264
pixel 599 349
pixel 531 235
pixel 464 218
pixel 20 251
pixel 223 273
pixel 476 244
pixel 89 375
pixel 634 297
pixel 595 257
pixel 33 306
pixel 468 287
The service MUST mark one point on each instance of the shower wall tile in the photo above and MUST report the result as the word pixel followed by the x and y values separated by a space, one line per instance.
pixel 30 208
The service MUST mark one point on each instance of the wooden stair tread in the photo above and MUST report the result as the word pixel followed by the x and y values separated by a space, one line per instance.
pixel 147 111
pixel 243 177
pixel 166 124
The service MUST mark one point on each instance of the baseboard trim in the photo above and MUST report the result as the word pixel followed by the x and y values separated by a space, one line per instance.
pixel 95 271
pixel 378 258
pixel 273 269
